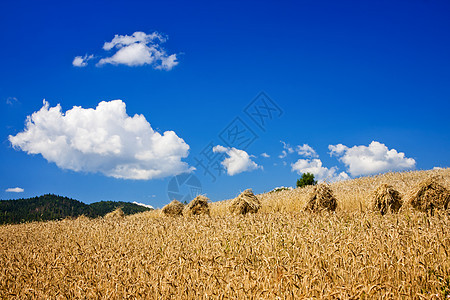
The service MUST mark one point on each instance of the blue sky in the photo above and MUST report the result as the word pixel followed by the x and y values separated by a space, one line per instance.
pixel 361 87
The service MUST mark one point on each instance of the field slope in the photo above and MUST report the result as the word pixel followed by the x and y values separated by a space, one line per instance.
pixel 280 252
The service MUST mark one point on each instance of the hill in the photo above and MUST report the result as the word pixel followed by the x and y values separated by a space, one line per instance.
pixel 54 207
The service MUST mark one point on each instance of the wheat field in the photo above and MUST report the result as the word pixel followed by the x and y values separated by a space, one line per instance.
pixel 281 252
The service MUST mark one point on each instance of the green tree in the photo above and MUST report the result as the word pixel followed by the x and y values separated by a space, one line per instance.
pixel 306 179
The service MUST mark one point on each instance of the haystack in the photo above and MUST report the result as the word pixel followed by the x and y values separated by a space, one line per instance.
pixel 386 199
pixel 174 208
pixel 117 214
pixel 245 203
pixel 198 206
pixel 429 195
pixel 82 218
pixel 321 198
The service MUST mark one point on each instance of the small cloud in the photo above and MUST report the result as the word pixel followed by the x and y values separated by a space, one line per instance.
pixel 82 61
pixel 265 155
pixel 438 168
pixel 283 154
pixel 287 150
pixel 167 62
pixel 15 190
pixel 144 205
pixel 12 100
pixel 282 188
pixel 303 150
pixel 139 49
pixel 238 161
pixel 287 147
pixel 306 151
pixel 372 159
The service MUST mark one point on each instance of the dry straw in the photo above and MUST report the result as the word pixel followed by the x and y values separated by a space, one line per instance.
pixel 429 195
pixel 321 198
pixel 386 199
pixel 198 206
pixel 115 215
pixel 82 218
pixel 174 208
pixel 245 203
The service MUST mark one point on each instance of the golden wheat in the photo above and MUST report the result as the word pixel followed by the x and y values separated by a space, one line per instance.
pixel 279 252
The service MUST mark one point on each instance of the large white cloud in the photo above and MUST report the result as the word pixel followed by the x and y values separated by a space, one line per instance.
pixel 372 159
pixel 139 49
pixel 238 161
pixel 104 139
pixel 321 173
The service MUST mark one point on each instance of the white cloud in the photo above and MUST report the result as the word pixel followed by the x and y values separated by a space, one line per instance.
pixel 265 155
pixel 238 161
pixel 137 37
pixel 287 147
pixel 306 151
pixel 281 188
pixel 139 49
pixel 144 205
pixel 287 150
pixel 105 140
pixel 167 62
pixel 220 149
pixel 321 173
pixel 337 149
pixel 283 154
pixel 15 190
pixel 341 176
pixel 82 61
pixel 372 159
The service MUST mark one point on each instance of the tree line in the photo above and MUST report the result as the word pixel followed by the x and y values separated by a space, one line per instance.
pixel 54 207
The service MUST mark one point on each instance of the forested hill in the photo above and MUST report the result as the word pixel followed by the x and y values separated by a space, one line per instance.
pixel 53 207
